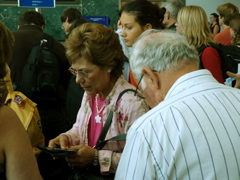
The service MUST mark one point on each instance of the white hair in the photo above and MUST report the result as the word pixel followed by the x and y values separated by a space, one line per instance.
pixel 172 6
pixel 161 51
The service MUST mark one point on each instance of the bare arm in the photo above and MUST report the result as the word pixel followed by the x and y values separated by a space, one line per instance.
pixel 212 61
pixel 216 30
pixel 15 148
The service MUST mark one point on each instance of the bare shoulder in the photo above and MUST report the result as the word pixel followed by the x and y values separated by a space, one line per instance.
pixel 7 114
pixel 8 120
pixel 5 110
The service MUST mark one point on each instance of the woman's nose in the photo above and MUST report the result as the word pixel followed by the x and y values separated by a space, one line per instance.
pixel 123 34
pixel 79 79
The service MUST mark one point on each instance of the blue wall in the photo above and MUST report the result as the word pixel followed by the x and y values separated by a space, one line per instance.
pixel 10 14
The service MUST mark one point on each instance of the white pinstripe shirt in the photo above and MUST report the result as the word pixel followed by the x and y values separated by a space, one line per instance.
pixel 193 134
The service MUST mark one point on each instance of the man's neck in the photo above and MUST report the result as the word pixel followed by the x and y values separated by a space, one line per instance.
pixel 168 78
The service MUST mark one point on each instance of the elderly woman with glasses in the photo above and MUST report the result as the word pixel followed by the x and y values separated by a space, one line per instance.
pixel 96 58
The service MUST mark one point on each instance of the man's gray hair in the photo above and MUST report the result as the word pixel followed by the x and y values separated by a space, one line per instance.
pixel 173 6
pixel 161 51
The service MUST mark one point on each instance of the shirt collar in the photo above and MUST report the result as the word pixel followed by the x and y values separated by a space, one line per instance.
pixel 189 80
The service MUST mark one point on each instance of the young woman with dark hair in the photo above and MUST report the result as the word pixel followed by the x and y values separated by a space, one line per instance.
pixel 137 17
pixel 214 26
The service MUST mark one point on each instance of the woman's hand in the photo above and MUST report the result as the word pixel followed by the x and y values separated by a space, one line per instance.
pixel 60 141
pixel 235 76
pixel 82 158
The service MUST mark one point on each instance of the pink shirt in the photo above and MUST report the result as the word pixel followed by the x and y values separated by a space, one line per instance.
pixel 94 128
pixel 128 109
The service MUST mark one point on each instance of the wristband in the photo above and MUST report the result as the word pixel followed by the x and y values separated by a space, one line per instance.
pixel 95 161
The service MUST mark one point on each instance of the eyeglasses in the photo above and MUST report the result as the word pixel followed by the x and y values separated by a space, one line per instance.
pixel 84 74
pixel 137 93
pixel 137 90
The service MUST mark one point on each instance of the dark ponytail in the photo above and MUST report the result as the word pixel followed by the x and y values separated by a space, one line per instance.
pixel 215 16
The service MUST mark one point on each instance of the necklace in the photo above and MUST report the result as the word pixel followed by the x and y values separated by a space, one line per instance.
pixel 97 117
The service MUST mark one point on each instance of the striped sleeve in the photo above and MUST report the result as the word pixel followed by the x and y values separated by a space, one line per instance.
pixel 136 161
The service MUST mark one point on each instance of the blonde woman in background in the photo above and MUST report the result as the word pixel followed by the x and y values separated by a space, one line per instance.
pixel 193 24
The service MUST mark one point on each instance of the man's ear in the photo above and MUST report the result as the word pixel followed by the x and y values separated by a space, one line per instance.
pixel 19 26
pixel 148 26
pixel 153 77
pixel 168 15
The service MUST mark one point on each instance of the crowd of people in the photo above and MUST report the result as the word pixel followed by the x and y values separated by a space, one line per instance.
pixel 173 118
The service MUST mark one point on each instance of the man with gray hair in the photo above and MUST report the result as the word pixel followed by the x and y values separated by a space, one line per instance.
pixel 193 128
pixel 170 17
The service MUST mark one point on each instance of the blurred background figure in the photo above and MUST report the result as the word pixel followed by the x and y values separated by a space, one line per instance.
pixel 74 91
pixel 226 13
pixel 235 34
pixel 68 16
pixel 192 19
pixel 235 30
pixel 170 17
pixel 214 26
pixel 77 22
pixel 57 169
pixel 52 110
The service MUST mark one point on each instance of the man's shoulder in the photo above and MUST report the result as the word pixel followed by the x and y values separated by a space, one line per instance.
pixel 29 28
pixel 54 41
pixel 57 47
pixel 148 119
pixel 29 32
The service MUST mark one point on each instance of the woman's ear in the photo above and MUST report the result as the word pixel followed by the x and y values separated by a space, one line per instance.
pixel 152 77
